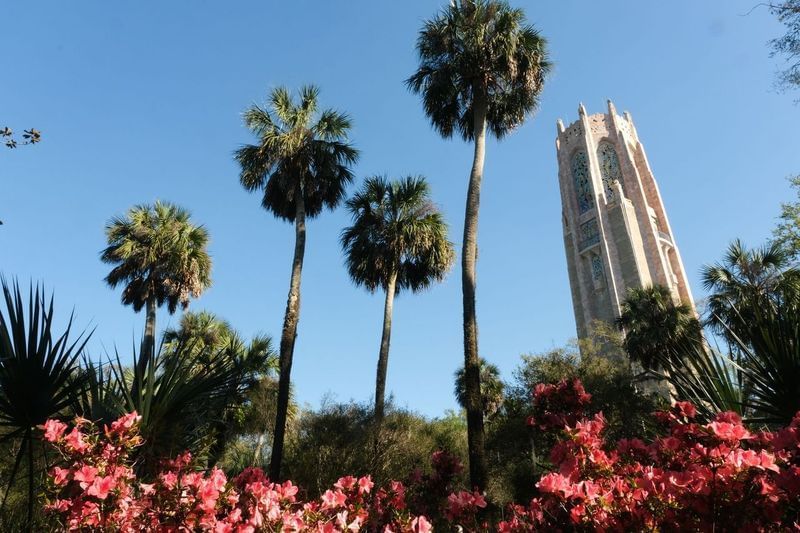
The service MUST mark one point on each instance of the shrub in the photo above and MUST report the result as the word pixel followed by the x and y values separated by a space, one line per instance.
pixel 96 489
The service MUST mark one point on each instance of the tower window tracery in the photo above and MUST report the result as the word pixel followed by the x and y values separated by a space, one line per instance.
pixel 589 234
pixel 597 271
pixel 583 185
pixel 609 168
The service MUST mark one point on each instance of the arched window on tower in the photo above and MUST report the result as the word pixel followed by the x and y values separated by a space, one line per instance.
pixel 583 186
pixel 609 168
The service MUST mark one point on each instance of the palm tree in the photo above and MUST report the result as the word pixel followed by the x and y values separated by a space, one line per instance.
pixel 481 65
pixel 203 334
pixel 161 258
pixel 301 164
pixel 747 281
pixel 204 338
pixel 655 326
pixel 398 241
pixel 492 388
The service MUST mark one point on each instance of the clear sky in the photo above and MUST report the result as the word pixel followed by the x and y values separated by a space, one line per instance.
pixel 139 101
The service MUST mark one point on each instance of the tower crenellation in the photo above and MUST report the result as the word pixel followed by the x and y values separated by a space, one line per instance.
pixel 616 232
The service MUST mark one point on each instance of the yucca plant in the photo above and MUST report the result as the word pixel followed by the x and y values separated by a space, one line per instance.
pixel 709 378
pixel 181 403
pixel 759 379
pixel 39 377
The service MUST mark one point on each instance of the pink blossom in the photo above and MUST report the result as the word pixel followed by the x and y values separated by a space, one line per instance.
pixel 75 441
pixel 365 485
pixel 421 525
pixel 59 475
pixel 85 476
pixel 101 487
pixel 53 429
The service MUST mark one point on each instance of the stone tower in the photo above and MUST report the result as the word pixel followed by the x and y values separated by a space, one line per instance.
pixel 616 231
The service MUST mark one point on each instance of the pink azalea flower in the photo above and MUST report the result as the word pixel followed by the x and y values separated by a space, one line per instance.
pixel 365 485
pixel 75 441
pixel 421 525
pixel 125 422
pixel 85 476
pixel 101 487
pixel 59 475
pixel 345 483
pixel 53 429
pixel 169 480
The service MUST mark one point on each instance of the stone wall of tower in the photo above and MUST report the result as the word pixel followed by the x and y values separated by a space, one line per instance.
pixel 616 232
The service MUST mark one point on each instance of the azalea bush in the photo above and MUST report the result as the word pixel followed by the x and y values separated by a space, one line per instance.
pixel 718 476
pixel 95 489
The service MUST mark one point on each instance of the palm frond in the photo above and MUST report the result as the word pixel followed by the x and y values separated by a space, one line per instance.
pixel 479 49
pixel 396 232
pixel 295 150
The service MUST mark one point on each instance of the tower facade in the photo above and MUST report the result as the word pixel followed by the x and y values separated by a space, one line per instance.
pixel 616 232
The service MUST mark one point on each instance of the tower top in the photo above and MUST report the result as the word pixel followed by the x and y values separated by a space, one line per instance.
pixel 608 123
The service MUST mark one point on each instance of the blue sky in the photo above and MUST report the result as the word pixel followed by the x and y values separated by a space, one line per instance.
pixel 141 101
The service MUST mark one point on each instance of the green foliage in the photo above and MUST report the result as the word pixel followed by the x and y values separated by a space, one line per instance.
pixel 760 378
pixel 202 335
pixel 298 149
pixel 492 388
pixel 158 253
pixel 339 439
pixel 38 380
pixel 184 404
pixel 747 282
pixel 787 234
pixel 479 50
pixel 517 454
pixel 396 231
pixel 710 379
pixel 788 45
pixel 654 326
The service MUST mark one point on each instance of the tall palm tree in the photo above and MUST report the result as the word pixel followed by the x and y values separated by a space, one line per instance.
pixel 398 241
pixel 747 281
pixel 481 66
pixel 161 258
pixel 656 327
pixel 301 164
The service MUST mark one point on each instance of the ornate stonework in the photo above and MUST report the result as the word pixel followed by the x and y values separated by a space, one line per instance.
pixel 616 231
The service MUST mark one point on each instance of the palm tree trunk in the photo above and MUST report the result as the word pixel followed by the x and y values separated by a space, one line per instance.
pixel 288 336
pixel 469 253
pixel 147 351
pixel 383 355
pixel 257 451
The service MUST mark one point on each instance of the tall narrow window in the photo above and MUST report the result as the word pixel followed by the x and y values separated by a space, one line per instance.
pixel 589 234
pixel 583 187
pixel 597 271
pixel 609 168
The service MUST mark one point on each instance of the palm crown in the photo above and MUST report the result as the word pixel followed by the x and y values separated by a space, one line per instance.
pixel 158 254
pixel 656 329
pixel 479 49
pixel 746 282
pixel 396 231
pixel 296 152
